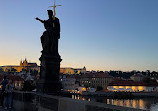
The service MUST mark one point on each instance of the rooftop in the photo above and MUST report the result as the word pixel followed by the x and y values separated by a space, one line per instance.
pixel 138 75
pixel 96 75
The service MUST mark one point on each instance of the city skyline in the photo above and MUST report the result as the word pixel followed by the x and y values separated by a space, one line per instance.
pixel 101 35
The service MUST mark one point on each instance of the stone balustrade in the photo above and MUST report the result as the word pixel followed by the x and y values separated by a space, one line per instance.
pixel 30 101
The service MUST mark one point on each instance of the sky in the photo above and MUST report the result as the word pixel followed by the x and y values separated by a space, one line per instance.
pixel 99 34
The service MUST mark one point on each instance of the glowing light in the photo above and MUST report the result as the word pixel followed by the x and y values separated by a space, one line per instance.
pixel 83 99
pixel 19 84
pixel 115 102
pixel 73 97
pixel 78 97
pixel 128 103
pixel 116 87
pixel 124 87
pixel 15 83
pixel 108 101
pixel 141 104
pixel 121 103
pixel 83 89
pixel 135 104
pixel 134 88
pixel 141 88
pixel 128 87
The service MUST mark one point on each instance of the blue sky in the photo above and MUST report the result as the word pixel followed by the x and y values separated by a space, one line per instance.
pixel 98 34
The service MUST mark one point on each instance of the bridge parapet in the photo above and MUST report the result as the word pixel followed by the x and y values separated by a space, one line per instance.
pixel 30 101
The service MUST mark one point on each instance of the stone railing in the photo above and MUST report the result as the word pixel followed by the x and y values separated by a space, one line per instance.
pixel 30 101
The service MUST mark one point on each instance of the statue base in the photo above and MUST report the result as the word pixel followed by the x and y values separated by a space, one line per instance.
pixel 49 82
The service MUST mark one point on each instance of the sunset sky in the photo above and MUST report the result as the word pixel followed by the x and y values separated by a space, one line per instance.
pixel 98 34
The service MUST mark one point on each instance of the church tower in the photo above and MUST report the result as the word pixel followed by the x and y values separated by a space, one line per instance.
pixel 21 64
pixel 25 63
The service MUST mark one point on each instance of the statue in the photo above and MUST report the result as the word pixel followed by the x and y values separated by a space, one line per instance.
pixel 50 37
pixel 50 59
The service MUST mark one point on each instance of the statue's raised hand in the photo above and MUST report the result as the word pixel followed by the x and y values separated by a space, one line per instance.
pixel 37 18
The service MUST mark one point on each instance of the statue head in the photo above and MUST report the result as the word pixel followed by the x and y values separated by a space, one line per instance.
pixel 50 13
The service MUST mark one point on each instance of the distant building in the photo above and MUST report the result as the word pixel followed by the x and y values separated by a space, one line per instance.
pixel 95 80
pixel 66 70
pixel 68 82
pixel 72 70
pixel 137 77
pixel 133 86
pixel 71 84
pixel 24 65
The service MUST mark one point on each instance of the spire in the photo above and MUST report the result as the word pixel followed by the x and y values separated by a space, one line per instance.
pixel 21 64
pixel 25 63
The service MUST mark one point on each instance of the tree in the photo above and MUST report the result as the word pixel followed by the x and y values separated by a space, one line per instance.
pixel 24 70
pixel 13 70
pixel 1 70
pixel 8 70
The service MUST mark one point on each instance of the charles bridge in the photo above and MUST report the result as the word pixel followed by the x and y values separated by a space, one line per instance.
pixel 49 84
pixel 32 101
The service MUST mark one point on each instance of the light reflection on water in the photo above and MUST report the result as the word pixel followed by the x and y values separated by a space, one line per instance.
pixel 144 103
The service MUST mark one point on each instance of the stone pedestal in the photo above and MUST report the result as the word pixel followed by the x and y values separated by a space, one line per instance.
pixel 49 75
pixel 50 59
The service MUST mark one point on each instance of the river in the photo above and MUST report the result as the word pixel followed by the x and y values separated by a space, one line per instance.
pixel 143 103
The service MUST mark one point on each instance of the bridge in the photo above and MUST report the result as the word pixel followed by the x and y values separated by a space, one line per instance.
pixel 31 101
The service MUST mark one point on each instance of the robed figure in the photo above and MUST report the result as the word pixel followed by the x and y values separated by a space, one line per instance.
pixel 50 37
pixel 50 58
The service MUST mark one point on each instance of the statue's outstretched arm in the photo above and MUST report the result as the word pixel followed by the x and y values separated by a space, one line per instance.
pixel 39 20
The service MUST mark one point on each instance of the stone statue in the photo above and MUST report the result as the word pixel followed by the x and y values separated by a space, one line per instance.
pixel 50 37
pixel 50 59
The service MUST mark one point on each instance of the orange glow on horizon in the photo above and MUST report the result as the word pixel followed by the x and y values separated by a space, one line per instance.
pixel 11 60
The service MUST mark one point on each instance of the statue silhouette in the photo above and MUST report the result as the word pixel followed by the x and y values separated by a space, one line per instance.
pixel 50 37
pixel 50 58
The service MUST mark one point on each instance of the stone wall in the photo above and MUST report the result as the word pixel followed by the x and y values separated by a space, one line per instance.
pixel 29 101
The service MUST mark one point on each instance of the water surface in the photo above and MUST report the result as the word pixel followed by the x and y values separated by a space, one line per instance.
pixel 143 103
